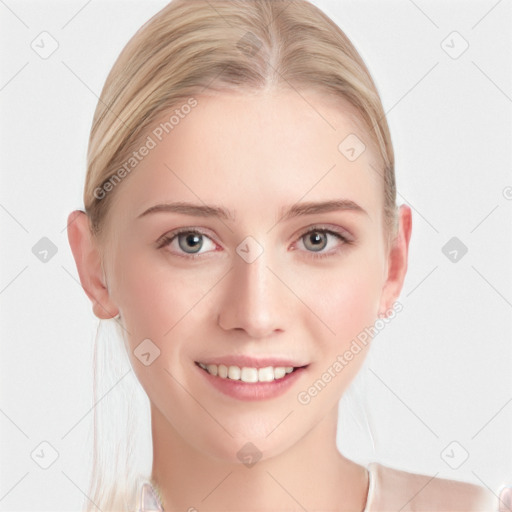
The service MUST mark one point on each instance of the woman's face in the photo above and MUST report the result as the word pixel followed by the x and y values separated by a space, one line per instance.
pixel 281 263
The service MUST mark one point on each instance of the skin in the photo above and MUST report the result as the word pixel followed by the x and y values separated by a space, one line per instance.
pixel 254 155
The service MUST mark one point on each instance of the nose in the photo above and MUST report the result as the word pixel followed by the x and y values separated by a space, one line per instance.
pixel 253 299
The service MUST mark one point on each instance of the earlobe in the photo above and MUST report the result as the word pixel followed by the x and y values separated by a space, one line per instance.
pixel 397 261
pixel 88 262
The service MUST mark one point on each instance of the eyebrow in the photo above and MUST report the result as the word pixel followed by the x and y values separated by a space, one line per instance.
pixel 296 210
pixel 196 210
pixel 310 208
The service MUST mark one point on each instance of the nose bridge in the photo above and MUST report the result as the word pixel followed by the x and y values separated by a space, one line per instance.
pixel 251 301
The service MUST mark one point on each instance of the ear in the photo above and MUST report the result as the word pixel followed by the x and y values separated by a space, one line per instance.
pixel 88 262
pixel 397 261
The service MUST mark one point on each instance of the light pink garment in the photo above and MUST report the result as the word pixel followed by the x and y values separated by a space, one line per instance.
pixel 393 490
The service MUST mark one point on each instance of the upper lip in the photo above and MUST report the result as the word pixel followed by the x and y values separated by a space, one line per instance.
pixel 251 361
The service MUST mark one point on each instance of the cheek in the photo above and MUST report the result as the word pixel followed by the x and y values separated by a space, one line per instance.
pixel 149 288
pixel 346 299
pixel 344 295
pixel 350 303
pixel 160 303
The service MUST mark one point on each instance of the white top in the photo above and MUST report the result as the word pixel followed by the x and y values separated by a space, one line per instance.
pixel 391 490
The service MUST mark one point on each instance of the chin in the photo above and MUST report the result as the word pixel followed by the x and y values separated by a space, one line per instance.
pixel 250 445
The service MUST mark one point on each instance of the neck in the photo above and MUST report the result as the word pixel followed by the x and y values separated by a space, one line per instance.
pixel 311 475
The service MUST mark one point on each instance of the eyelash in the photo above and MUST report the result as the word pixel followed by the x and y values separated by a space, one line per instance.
pixel 168 238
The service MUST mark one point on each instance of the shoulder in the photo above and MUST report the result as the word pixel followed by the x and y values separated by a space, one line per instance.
pixel 392 489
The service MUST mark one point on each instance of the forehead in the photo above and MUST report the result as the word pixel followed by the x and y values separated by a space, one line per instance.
pixel 249 150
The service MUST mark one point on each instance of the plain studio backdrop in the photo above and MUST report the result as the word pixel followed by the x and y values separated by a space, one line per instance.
pixel 436 387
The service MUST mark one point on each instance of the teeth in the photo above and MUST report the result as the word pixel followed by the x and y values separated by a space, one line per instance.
pixel 266 374
pixel 245 374
pixel 233 372
pixel 212 368
pixel 279 372
pixel 249 375
pixel 223 371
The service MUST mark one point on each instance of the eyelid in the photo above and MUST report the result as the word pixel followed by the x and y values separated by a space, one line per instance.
pixel 328 228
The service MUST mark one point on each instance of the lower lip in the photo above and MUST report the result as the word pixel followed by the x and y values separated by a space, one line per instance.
pixel 253 390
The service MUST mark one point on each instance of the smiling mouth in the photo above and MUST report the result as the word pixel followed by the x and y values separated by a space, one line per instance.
pixel 248 374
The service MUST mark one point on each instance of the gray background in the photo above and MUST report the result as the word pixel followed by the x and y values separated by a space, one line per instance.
pixel 437 384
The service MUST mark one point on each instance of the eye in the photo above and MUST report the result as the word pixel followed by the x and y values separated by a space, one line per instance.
pixel 317 240
pixel 189 242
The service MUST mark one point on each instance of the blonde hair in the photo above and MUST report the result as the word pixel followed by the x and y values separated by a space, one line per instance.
pixel 193 46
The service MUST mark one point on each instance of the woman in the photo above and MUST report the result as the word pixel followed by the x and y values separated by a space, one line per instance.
pixel 240 224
